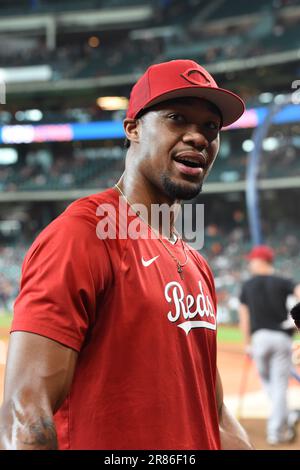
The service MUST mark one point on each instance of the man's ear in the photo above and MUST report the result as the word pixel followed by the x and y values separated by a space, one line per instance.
pixel 131 128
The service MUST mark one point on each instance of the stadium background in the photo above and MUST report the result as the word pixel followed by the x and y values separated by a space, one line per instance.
pixel 61 136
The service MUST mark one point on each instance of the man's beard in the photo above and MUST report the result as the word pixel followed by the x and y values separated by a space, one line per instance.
pixel 180 191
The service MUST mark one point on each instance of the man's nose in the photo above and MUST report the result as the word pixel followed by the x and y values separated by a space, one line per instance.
pixel 196 138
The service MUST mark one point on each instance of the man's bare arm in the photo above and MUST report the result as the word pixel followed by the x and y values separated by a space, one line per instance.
pixel 38 376
pixel 232 434
pixel 297 291
pixel 244 316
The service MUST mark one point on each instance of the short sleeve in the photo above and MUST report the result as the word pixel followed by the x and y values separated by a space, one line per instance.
pixel 243 296
pixel 288 286
pixel 64 274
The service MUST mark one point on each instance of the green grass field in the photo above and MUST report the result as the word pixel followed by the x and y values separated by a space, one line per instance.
pixel 229 334
pixel 232 334
pixel 5 320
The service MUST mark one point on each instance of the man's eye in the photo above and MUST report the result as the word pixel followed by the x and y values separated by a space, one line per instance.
pixel 176 117
pixel 215 126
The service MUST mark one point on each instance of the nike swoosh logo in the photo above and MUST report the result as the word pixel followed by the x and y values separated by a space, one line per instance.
pixel 150 261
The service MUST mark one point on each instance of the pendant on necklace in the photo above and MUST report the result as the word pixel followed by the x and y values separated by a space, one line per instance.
pixel 179 270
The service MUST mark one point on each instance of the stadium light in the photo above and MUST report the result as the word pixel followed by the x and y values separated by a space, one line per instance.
pixel 248 145
pixel 266 97
pixel 112 103
pixel 280 99
pixel 8 156
pixel 94 41
pixel 270 144
pixel 33 115
pixel 20 116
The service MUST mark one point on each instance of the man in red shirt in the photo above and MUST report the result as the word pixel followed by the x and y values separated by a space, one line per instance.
pixel 113 342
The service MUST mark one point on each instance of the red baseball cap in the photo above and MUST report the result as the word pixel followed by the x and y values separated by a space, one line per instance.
pixel 263 252
pixel 179 79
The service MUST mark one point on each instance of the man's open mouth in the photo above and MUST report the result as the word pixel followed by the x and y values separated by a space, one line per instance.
pixel 191 163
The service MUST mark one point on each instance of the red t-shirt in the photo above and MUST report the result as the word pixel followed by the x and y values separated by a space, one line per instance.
pixel 146 371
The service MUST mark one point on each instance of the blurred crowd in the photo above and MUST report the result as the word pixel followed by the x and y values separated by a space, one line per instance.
pixel 63 166
pixel 40 171
pixel 200 38
pixel 11 258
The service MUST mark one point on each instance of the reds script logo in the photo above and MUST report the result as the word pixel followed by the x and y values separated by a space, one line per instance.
pixel 188 308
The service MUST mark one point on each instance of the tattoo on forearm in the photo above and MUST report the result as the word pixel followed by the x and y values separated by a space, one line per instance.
pixel 41 433
pixel 32 431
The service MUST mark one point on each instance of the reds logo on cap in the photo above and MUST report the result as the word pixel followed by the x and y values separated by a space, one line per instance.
pixel 196 77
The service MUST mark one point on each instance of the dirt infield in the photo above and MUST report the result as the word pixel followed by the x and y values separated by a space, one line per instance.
pixel 256 431
pixel 231 363
pixel 3 332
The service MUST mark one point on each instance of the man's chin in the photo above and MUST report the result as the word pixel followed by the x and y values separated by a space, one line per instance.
pixel 182 190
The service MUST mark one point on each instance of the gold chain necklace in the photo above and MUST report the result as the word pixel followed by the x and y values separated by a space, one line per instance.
pixel 178 264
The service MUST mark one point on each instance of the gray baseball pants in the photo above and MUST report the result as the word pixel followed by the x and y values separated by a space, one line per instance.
pixel 271 351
